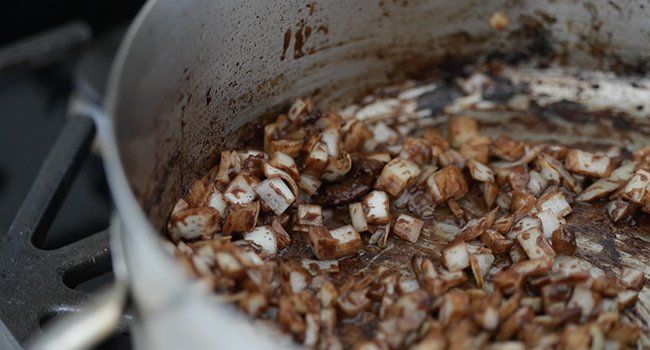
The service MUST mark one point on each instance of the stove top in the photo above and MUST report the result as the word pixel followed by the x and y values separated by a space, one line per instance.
pixel 54 201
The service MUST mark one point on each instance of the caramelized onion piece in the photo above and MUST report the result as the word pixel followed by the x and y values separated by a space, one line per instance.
pixel 503 224
pixel 461 130
pixel 619 209
pixel 358 217
pixel 417 150
pixel 285 162
pixel 192 223
pixel 241 190
pixel 281 234
pixel 408 228
pixel 477 149
pixel 496 241
pixel 309 183
pixel 263 238
pixel 377 208
pixel 331 138
pixel 551 164
pixel 537 183
pixel 447 183
pixel 451 157
pixel 329 266
pixel 289 147
pixel 356 136
pixel 455 256
pixel 272 172
pixel 490 194
pixel 396 175
pixel 275 195
pixel 241 217
pixel 564 242
pixel 299 108
pixel 229 166
pixel 535 244
pixel 632 279
pixel 334 244
pixel 455 305
pixel 480 263
pixel 635 189
pixel 556 202
pixel 477 227
pixel 480 171
pixel 316 157
pixel 588 164
pixel 507 148
pixel 337 167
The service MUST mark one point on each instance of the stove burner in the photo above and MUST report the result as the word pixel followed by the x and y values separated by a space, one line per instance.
pixel 37 284
pixel 41 277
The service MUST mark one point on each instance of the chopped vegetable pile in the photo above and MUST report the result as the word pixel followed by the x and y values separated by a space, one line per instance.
pixel 271 230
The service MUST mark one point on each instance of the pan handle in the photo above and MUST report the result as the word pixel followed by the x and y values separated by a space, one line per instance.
pixel 89 326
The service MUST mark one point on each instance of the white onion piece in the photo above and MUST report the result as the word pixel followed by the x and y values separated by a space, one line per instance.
pixel 275 194
pixel 271 172
pixel 263 238
pixel 358 217
pixel 376 207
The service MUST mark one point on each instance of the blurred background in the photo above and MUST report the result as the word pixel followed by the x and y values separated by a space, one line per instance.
pixel 48 51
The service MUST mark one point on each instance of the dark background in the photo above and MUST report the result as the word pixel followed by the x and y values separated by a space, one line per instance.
pixel 33 108
pixel 21 18
pixel 33 102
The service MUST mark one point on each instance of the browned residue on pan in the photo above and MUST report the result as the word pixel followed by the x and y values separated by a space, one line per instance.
pixel 285 44
pixel 311 6
pixel 302 35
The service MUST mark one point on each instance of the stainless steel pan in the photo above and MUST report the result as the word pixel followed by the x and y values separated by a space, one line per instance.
pixel 189 74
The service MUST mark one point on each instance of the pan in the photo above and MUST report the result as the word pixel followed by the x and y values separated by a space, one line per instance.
pixel 194 78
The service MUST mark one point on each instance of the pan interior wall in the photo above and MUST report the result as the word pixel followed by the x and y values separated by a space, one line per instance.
pixel 185 89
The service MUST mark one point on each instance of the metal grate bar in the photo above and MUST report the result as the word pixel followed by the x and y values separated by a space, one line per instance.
pixel 37 283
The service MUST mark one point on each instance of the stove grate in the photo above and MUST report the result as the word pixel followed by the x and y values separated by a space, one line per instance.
pixel 38 284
